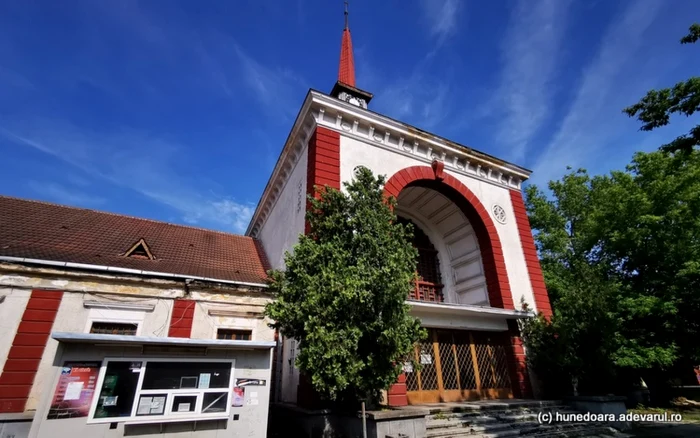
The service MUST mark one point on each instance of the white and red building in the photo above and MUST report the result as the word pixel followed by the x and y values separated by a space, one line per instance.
pixel 478 260
pixel 175 313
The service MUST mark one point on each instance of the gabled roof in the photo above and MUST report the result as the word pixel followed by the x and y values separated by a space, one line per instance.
pixel 44 231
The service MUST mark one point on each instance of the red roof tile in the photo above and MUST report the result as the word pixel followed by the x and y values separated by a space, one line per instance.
pixel 40 230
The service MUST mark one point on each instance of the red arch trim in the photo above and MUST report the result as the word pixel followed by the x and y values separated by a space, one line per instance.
pixel 490 245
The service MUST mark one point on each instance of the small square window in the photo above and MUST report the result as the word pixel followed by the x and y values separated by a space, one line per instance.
pixel 114 328
pixel 233 334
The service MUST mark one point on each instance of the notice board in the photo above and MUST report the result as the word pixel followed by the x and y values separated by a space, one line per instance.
pixel 74 390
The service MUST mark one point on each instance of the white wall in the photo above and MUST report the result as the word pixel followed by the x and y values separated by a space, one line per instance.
pixel 285 222
pixel 252 420
pixel 205 326
pixel 381 161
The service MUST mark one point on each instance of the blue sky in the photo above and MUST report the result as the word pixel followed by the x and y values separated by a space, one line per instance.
pixel 177 110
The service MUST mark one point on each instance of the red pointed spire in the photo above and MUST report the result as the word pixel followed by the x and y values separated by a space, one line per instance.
pixel 346 71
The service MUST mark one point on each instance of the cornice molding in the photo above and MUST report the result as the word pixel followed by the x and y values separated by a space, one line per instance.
pixel 114 305
pixel 372 128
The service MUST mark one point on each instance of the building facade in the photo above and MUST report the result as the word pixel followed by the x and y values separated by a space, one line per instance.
pixel 478 264
pixel 115 326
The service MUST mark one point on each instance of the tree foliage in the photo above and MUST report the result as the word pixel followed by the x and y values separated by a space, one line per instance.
pixel 655 109
pixel 342 294
pixel 621 259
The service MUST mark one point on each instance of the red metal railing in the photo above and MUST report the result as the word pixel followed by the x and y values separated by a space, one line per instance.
pixel 426 291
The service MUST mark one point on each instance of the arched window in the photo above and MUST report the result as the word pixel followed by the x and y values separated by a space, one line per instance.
pixel 429 285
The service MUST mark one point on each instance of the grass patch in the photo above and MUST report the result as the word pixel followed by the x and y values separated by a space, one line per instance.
pixel 689 413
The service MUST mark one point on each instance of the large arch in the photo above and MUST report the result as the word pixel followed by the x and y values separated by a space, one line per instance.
pixel 434 177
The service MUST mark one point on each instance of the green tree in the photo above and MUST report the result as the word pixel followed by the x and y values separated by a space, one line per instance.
pixel 624 249
pixel 573 349
pixel 655 109
pixel 343 292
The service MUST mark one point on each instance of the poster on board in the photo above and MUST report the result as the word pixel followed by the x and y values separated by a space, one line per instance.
pixel 74 391
pixel 238 396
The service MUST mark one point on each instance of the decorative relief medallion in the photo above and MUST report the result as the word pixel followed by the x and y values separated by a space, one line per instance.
pixel 499 213
pixel 356 170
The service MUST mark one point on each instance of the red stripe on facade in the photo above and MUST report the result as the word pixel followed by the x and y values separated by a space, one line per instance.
pixel 182 318
pixel 517 364
pixel 527 242
pixel 27 349
pixel 323 168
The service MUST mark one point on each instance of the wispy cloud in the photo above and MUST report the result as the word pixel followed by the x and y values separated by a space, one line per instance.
pixel 148 165
pixel 417 99
pixel 530 52
pixel 64 195
pixel 442 16
pixel 270 86
pixel 608 84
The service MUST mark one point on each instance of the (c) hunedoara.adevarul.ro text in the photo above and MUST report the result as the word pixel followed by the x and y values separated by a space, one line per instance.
pixel 573 417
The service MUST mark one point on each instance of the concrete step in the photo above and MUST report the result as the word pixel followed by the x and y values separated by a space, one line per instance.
pixel 545 431
pixel 494 406
pixel 460 429
pixel 490 416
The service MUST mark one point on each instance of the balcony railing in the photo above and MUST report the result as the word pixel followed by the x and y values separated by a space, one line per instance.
pixel 426 291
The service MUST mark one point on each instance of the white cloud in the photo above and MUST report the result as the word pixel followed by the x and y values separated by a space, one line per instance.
pixel 273 88
pixel 529 54
pixel 442 16
pixel 416 99
pixel 608 85
pixel 135 160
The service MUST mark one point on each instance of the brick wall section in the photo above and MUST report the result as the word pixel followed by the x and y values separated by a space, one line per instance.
pixel 27 349
pixel 532 261
pixel 517 366
pixel 181 319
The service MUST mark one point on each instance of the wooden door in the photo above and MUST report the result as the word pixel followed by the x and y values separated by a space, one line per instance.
pixel 458 365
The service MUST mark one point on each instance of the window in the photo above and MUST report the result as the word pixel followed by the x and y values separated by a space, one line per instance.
pixel 233 334
pixel 429 284
pixel 114 328
pixel 161 390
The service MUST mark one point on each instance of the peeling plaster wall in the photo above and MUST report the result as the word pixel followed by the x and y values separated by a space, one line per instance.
pixel 17 282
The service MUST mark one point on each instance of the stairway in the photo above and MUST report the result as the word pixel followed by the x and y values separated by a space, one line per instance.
pixel 508 419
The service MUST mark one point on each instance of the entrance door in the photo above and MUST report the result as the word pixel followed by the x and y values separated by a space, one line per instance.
pixel 459 365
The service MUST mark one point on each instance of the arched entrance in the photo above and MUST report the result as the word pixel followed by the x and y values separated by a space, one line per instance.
pixel 494 266
pixel 460 250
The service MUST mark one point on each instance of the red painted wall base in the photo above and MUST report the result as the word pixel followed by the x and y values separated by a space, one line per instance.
pixel 396 395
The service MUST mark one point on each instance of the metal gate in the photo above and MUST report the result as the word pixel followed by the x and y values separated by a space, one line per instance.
pixel 459 365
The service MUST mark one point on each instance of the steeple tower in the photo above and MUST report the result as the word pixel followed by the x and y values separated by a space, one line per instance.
pixel 346 70
pixel 345 88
